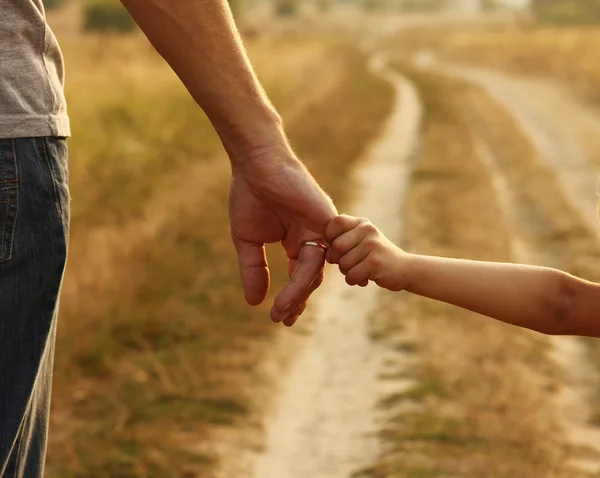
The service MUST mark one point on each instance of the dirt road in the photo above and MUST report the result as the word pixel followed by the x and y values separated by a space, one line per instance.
pixel 323 424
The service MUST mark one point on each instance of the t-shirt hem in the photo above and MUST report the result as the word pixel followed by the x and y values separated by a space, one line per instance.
pixel 12 126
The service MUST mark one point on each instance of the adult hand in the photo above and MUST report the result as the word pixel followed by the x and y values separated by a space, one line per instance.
pixel 274 198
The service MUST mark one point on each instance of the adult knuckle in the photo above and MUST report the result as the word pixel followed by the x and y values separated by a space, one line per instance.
pixel 332 228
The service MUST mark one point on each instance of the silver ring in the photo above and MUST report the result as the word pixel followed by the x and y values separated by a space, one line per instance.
pixel 315 244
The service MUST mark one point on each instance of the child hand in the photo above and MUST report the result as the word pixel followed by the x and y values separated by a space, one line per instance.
pixel 364 254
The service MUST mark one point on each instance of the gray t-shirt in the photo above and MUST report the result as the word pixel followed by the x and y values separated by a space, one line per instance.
pixel 32 100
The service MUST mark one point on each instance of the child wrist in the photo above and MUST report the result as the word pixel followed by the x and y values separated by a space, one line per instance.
pixel 409 265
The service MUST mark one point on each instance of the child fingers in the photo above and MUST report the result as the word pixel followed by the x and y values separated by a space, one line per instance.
pixel 352 258
pixel 359 274
pixel 339 226
pixel 344 244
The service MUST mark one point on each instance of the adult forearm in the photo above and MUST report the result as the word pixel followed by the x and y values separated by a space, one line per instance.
pixel 200 42
pixel 533 297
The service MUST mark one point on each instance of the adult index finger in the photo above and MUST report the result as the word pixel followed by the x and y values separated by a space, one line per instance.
pixel 309 267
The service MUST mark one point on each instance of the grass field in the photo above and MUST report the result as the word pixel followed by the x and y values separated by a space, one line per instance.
pixel 156 345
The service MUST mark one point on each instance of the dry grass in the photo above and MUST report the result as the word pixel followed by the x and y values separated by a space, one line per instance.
pixel 156 346
pixel 481 405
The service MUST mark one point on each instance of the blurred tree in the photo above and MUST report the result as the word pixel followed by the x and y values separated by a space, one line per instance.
pixel 372 4
pixel 324 5
pixel 425 5
pixel 106 16
pixel 488 5
pixel 52 4
pixel 237 8
pixel 567 11
pixel 286 8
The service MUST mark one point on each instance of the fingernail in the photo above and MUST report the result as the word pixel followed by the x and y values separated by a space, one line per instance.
pixel 275 317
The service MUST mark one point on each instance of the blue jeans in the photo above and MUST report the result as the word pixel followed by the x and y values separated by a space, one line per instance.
pixel 34 223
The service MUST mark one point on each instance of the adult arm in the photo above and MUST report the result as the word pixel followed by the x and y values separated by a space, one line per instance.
pixel 273 196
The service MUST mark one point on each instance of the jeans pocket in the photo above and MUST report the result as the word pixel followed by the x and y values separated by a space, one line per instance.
pixel 55 155
pixel 9 197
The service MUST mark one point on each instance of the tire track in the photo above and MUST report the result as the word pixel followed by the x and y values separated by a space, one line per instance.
pixel 549 119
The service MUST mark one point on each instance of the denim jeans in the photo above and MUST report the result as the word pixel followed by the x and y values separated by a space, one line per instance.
pixel 34 222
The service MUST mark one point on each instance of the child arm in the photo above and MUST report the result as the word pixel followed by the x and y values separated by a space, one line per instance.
pixel 537 298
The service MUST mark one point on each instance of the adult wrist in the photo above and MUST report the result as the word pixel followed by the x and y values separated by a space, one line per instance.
pixel 253 138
